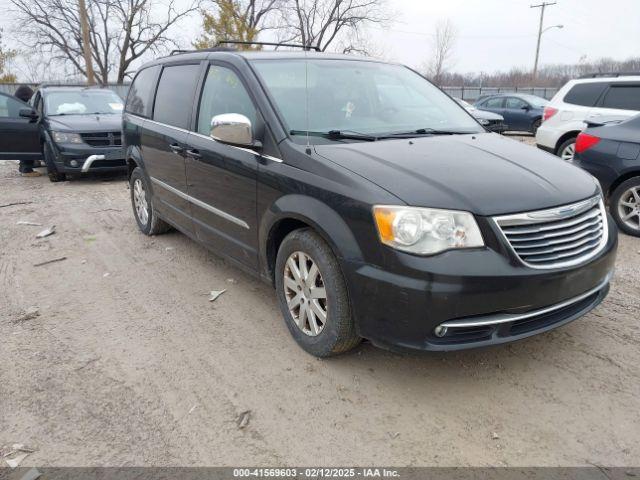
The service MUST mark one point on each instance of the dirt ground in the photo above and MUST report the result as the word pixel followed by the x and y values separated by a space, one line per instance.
pixel 126 362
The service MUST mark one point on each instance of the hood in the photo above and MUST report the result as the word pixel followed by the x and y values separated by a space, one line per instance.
pixel 86 123
pixel 485 173
pixel 485 115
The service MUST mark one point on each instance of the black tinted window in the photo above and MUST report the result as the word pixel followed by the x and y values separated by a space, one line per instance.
pixel 223 92
pixel 623 97
pixel 140 95
pixel 585 94
pixel 174 99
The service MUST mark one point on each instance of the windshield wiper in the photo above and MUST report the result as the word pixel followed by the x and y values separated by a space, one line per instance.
pixel 337 135
pixel 424 131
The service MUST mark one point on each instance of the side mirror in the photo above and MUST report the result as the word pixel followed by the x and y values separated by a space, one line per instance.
pixel 232 128
pixel 29 113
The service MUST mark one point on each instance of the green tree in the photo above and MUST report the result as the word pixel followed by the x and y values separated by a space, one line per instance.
pixel 5 57
pixel 241 20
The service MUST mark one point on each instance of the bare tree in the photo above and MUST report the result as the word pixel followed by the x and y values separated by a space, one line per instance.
pixel 121 31
pixel 321 23
pixel 443 46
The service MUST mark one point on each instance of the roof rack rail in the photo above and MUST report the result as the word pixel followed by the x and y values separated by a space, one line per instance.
pixel 71 84
pixel 611 74
pixel 270 44
pixel 213 49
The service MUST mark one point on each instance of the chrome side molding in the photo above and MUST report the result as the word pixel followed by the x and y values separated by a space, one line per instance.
pixel 201 204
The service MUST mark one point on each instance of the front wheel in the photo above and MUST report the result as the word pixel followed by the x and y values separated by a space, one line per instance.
pixel 625 206
pixel 148 221
pixel 312 295
pixel 567 150
pixel 52 171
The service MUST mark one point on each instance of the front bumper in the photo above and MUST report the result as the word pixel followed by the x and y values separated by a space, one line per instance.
pixel 86 159
pixel 467 291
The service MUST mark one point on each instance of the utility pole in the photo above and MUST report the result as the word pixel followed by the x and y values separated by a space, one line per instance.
pixel 541 6
pixel 86 45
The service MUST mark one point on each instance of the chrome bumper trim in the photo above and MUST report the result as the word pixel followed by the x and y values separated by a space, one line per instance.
pixel 512 317
pixel 89 161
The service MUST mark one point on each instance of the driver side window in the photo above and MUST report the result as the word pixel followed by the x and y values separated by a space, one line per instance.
pixel 10 107
pixel 223 92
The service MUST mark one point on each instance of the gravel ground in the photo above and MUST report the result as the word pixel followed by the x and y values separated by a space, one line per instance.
pixel 126 362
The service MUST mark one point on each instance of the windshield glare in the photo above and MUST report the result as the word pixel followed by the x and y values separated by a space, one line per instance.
pixel 82 102
pixel 359 96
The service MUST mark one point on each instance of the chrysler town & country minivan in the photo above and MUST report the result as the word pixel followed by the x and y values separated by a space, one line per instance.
pixel 376 205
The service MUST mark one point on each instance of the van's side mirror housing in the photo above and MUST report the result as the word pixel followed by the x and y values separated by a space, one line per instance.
pixel 232 128
pixel 29 113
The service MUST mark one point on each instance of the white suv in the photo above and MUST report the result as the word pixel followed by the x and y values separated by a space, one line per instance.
pixel 598 95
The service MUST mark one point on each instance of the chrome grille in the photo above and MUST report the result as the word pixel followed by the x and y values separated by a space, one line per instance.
pixel 557 237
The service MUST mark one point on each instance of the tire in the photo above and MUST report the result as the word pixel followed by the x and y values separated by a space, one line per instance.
pixel 337 334
pixel 566 150
pixel 535 126
pixel 148 221
pixel 625 200
pixel 52 171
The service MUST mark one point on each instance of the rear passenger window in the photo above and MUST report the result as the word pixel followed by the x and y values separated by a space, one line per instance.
pixel 585 94
pixel 223 92
pixel 493 103
pixel 140 95
pixel 174 98
pixel 625 97
pixel 513 103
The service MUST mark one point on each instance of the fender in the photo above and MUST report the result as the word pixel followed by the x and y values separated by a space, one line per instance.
pixel 322 218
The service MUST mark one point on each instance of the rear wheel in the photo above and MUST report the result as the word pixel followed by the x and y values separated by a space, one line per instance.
pixel 535 126
pixel 52 170
pixel 625 206
pixel 312 295
pixel 567 150
pixel 146 217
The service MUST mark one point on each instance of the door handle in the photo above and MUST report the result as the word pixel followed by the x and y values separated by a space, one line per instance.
pixel 193 153
pixel 175 148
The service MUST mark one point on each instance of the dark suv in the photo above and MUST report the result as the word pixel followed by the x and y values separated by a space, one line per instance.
pixel 375 204
pixel 78 130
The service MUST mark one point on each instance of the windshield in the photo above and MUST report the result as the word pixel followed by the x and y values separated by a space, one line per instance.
pixel 359 97
pixel 82 102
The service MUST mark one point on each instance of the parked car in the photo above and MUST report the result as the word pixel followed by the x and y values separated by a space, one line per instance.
pixel 610 151
pixel 521 112
pixel 597 95
pixel 375 205
pixel 19 135
pixel 75 129
pixel 489 120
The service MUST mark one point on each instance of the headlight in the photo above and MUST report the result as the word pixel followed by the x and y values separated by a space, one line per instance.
pixel 63 137
pixel 484 121
pixel 426 231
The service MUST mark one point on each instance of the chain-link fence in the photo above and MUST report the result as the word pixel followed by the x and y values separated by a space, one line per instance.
pixel 471 94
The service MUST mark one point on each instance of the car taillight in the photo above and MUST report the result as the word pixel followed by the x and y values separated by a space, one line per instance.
pixel 548 113
pixel 585 142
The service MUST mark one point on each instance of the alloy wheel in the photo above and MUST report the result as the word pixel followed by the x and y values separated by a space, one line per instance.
pixel 140 201
pixel 305 293
pixel 568 152
pixel 629 208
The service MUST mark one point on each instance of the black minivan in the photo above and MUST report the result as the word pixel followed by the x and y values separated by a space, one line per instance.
pixel 375 204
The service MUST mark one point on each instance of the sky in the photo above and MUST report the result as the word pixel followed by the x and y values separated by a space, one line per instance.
pixel 492 35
